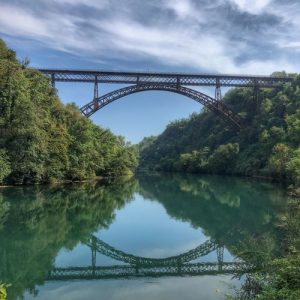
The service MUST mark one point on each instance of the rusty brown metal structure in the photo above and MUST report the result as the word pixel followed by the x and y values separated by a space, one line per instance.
pixel 179 83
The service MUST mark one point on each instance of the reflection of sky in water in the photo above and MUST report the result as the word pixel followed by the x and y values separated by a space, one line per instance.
pixel 191 288
pixel 142 228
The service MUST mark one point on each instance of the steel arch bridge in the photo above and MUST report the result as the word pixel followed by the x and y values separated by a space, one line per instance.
pixel 136 266
pixel 99 246
pixel 171 82
pixel 216 106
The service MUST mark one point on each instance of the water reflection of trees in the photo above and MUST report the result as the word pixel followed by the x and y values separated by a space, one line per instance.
pixel 36 222
pixel 39 221
pixel 228 209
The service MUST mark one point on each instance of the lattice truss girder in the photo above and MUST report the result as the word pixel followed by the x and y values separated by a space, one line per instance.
pixel 174 82
pixel 166 78
pixel 142 266
pixel 123 271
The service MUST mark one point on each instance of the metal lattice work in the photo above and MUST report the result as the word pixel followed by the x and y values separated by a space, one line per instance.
pixel 173 82
pixel 107 250
pixel 57 75
pixel 123 271
pixel 214 105
pixel 136 266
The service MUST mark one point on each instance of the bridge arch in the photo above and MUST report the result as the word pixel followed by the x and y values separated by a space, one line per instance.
pixel 147 267
pixel 217 106
pixel 100 246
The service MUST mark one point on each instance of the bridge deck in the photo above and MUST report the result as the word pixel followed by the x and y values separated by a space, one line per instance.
pixel 59 75
pixel 125 271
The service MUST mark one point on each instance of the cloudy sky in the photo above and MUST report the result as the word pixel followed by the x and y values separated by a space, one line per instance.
pixel 224 36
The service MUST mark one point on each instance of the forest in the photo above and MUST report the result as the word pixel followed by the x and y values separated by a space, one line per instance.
pixel 43 141
pixel 267 145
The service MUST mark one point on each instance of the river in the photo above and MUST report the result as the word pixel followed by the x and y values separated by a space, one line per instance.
pixel 155 236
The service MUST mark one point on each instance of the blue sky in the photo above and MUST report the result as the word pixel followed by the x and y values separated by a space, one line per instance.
pixel 223 36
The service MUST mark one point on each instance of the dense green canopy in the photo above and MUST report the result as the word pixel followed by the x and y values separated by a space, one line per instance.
pixel 42 140
pixel 267 145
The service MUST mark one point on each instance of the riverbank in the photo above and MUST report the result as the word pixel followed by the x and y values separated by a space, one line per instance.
pixel 97 179
pixel 291 189
pixel 47 229
pixel 277 278
pixel 43 140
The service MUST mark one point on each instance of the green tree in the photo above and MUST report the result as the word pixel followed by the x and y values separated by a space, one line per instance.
pixel 293 166
pixel 223 158
pixel 43 139
pixel 4 166
pixel 278 160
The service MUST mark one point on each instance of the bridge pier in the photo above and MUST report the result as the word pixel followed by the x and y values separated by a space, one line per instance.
pixel 218 93
pixel 94 254
pixel 96 93
pixel 177 82
pixel 256 97
pixel 53 80
pixel 179 266
pixel 220 256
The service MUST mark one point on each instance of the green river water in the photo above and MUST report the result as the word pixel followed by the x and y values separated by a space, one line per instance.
pixel 155 236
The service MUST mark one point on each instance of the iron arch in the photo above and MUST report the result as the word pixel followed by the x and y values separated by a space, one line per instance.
pixel 109 251
pixel 212 104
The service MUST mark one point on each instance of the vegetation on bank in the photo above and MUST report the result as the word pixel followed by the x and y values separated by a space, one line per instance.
pixel 37 222
pixel 3 292
pixel 275 278
pixel 43 140
pixel 267 145
pixel 264 233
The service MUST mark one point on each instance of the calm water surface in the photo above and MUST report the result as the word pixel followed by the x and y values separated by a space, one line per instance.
pixel 158 236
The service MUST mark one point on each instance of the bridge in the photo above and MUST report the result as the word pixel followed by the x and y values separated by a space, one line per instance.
pixel 136 266
pixel 179 83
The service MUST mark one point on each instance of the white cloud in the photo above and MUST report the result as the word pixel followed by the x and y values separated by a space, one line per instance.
pixel 252 6
pixel 15 21
pixel 182 8
pixel 185 47
pixel 99 4
pixel 179 42
pixel 60 33
pixel 175 47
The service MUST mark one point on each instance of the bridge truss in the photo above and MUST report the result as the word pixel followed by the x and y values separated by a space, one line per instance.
pixel 172 82
pixel 136 266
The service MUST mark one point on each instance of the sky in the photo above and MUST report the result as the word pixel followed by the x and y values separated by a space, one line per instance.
pixel 222 36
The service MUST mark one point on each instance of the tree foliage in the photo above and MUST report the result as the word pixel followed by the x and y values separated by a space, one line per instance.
pixel 267 144
pixel 42 140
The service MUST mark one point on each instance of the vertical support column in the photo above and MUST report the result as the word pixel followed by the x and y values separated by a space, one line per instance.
pixel 218 93
pixel 53 80
pixel 96 94
pixel 220 256
pixel 256 96
pixel 177 82
pixel 179 266
pixel 94 255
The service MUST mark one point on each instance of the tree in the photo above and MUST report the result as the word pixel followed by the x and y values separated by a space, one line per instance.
pixel 222 160
pixel 293 122
pixel 44 140
pixel 277 163
pixel 293 166
pixel 4 166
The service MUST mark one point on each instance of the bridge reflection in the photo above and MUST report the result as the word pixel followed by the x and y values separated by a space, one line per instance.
pixel 137 266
